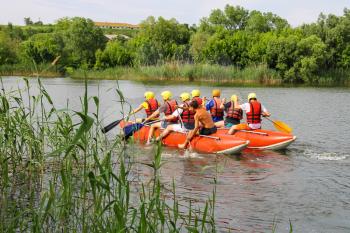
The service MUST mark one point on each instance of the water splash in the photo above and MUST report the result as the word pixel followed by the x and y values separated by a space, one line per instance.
pixel 331 156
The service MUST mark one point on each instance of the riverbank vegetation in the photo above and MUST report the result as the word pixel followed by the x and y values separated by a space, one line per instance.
pixel 59 173
pixel 233 38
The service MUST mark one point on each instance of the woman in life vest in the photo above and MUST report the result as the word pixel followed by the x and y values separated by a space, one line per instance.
pixel 150 105
pixel 214 106
pixel 254 110
pixel 167 108
pixel 234 113
pixel 184 114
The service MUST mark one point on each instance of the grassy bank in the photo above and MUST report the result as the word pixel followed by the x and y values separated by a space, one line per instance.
pixel 59 173
pixel 30 70
pixel 181 73
pixel 188 72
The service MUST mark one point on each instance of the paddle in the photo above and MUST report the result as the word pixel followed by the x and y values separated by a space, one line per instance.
pixel 111 125
pixel 129 130
pixel 281 126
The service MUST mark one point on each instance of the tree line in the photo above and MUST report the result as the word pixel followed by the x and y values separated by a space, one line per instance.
pixel 233 36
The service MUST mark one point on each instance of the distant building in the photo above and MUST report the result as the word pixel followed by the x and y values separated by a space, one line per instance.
pixel 112 37
pixel 116 25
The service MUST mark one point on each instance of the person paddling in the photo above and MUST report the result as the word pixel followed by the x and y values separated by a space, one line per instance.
pixel 201 118
pixel 185 115
pixel 167 108
pixel 234 113
pixel 150 105
pixel 254 110
pixel 214 106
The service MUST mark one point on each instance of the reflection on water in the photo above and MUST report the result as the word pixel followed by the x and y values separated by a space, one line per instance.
pixel 308 183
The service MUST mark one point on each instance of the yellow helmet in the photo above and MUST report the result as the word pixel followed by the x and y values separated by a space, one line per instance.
pixel 166 95
pixel 185 96
pixel 234 98
pixel 251 96
pixel 195 93
pixel 216 93
pixel 149 95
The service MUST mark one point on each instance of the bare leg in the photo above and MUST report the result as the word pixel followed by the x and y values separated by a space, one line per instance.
pixel 165 133
pixel 232 130
pixel 219 124
pixel 151 131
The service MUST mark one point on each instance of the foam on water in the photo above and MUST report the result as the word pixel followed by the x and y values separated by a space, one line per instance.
pixel 331 156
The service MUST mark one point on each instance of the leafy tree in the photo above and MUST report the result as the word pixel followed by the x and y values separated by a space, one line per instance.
pixel 43 47
pixel 198 42
pixel 264 22
pixel 160 40
pixel 81 41
pixel 115 54
pixel 28 21
pixel 232 18
pixel 7 49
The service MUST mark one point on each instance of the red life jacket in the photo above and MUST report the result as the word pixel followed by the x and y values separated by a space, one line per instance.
pixel 152 107
pixel 216 111
pixel 232 112
pixel 198 99
pixel 170 109
pixel 254 116
pixel 187 115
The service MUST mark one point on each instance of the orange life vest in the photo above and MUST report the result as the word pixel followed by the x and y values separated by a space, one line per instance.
pixel 216 111
pixel 170 109
pixel 187 115
pixel 232 112
pixel 254 116
pixel 152 106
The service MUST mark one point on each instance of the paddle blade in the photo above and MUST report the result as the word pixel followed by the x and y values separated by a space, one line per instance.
pixel 111 126
pixel 129 130
pixel 281 126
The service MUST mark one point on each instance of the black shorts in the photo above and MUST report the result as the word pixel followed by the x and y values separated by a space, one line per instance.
pixel 206 131
pixel 189 126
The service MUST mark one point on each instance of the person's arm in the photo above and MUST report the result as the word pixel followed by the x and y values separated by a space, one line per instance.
pixel 244 106
pixel 137 109
pixel 153 115
pixel 194 131
pixel 265 113
pixel 222 105
pixel 178 111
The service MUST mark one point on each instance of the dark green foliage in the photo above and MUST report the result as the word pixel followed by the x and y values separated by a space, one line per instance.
pixel 233 36
pixel 81 41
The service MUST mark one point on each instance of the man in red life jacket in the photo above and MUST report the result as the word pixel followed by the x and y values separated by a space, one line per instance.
pixel 183 113
pixel 203 123
pixel 196 96
pixel 214 106
pixel 234 113
pixel 254 110
pixel 167 108
pixel 150 105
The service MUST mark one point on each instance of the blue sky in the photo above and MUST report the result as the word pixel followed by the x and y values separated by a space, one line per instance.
pixel 185 11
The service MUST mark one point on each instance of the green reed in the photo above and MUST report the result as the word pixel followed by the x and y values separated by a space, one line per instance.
pixel 59 173
pixel 28 70
pixel 259 74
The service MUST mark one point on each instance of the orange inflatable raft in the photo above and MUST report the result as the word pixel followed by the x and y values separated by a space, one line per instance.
pixel 217 143
pixel 263 139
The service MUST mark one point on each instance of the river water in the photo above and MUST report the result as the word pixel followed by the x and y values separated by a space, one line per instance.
pixel 307 185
